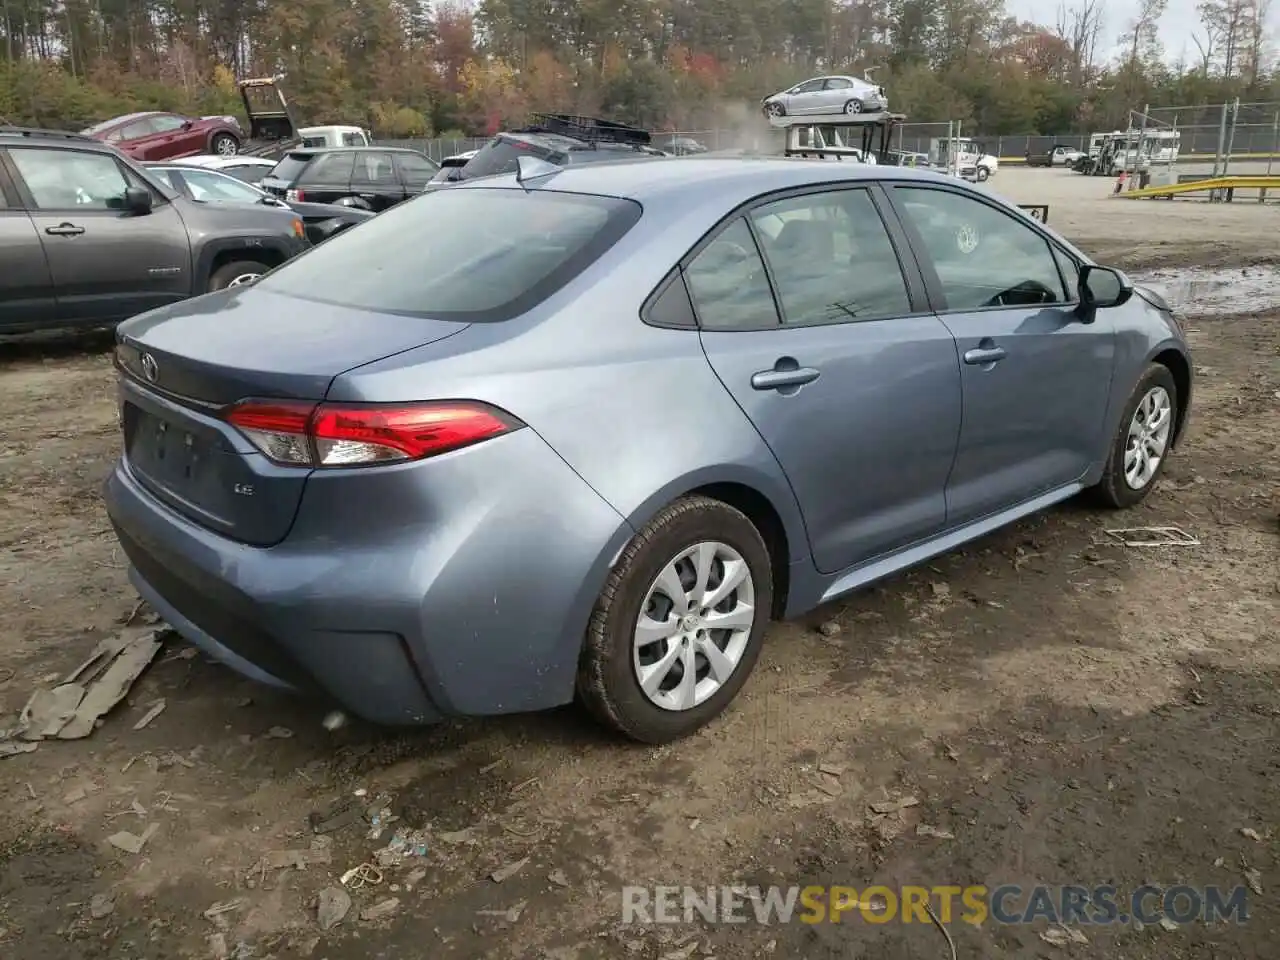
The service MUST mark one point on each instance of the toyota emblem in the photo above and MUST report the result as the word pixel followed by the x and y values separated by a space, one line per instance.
pixel 150 369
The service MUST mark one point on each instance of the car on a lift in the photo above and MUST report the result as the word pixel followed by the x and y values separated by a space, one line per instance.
pixel 827 95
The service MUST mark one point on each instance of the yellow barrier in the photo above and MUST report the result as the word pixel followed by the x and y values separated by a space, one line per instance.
pixel 1182 158
pixel 1195 186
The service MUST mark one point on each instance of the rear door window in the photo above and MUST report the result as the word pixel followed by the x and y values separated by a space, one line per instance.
pixel 415 170
pixel 831 258
pixel 374 168
pixel 471 255
pixel 290 166
pixel 331 168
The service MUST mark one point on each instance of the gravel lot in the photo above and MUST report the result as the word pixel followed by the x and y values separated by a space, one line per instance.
pixel 1067 709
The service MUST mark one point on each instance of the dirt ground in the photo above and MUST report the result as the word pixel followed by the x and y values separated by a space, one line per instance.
pixel 1067 709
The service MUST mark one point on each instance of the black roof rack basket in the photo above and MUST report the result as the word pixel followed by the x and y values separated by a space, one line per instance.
pixel 590 129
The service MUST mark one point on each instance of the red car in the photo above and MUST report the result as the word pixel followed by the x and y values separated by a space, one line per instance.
pixel 168 136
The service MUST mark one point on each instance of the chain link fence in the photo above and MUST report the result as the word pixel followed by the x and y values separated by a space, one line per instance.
pixel 1213 133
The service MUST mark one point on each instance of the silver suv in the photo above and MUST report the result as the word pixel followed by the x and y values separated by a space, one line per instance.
pixel 827 95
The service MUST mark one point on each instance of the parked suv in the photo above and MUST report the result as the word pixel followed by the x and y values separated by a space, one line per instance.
pixel 370 178
pixel 90 239
pixel 558 138
pixel 166 136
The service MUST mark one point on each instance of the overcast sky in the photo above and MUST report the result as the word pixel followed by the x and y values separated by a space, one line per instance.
pixel 1177 26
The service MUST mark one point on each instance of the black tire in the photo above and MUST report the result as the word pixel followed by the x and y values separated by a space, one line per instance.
pixel 983 174
pixel 225 275
pixel 607 684
pixel 776 110
pixel 1113 490
pixel 224 145
pixel 852 107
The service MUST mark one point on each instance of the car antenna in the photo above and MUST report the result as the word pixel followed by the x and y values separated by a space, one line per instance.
pixel 533 168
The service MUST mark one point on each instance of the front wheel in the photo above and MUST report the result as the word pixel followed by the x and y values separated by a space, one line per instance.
pixel 679 624
pixel 983 174
pixel 236 274
pixel 776 110
pixel 224 145
pixel 1142 442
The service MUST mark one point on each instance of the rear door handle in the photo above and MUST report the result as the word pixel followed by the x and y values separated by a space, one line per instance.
pixel 64 230
pixel 984 355
pixel 780 379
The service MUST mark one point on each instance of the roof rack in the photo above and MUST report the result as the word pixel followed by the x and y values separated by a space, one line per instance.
pixel 590 129
pixel 38 132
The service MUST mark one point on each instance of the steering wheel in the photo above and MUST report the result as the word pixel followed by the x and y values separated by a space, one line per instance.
pixel 1028 293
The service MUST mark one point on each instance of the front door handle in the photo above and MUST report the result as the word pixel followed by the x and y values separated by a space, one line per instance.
pixel 984 355
pixel 64 230
pixel 781 378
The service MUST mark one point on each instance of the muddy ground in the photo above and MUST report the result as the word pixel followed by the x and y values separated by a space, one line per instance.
pixel 1069 710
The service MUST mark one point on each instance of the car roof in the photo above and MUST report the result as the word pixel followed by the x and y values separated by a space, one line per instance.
pixel 79 140
pixel 127 118
pixel 362 148
pixel 692 180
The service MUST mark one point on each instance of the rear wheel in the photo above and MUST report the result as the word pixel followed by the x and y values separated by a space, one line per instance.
pixel 853 106
pixel 236 274
pixel 678 626
pixel 1142 441
pixel 224 145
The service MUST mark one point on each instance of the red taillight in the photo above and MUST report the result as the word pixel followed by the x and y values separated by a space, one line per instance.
pixel 361 434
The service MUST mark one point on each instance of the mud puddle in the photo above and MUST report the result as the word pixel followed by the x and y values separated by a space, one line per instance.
pixel 1220 292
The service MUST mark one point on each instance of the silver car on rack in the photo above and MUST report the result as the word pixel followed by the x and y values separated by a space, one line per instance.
pixel 825 95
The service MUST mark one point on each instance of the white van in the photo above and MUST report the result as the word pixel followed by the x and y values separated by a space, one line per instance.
pixel 336 135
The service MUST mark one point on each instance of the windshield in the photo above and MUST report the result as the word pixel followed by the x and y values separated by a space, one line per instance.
pixel 289 168
pixel 465 254
pixel 500 155
pixel 210 187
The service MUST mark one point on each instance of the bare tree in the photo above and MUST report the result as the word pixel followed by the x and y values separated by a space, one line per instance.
pixel 1208 47
pixel 1079 26
pixel 1143 38
pixel 1235 22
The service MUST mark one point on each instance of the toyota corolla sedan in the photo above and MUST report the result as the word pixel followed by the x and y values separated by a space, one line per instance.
pixel 584 431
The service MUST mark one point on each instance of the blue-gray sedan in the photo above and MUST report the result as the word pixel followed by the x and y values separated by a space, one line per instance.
pixel 589 431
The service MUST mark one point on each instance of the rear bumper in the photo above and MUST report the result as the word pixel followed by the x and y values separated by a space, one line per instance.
pixel 457 586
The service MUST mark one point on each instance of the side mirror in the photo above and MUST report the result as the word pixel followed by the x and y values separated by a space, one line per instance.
pixel 1102 287
pixel 187 124
pixel 137 201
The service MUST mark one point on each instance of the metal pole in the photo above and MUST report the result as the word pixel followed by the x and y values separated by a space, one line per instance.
pixel 1222 139
pixel 1275 140
pixel 1135 180
pixel 1235 115
pixel 955 152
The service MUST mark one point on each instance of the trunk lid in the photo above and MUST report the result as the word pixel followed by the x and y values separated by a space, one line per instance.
pixel 183 363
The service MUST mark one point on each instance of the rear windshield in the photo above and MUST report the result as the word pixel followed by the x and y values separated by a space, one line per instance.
pixel 472 255
pixel 501 154
pixel 290 167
